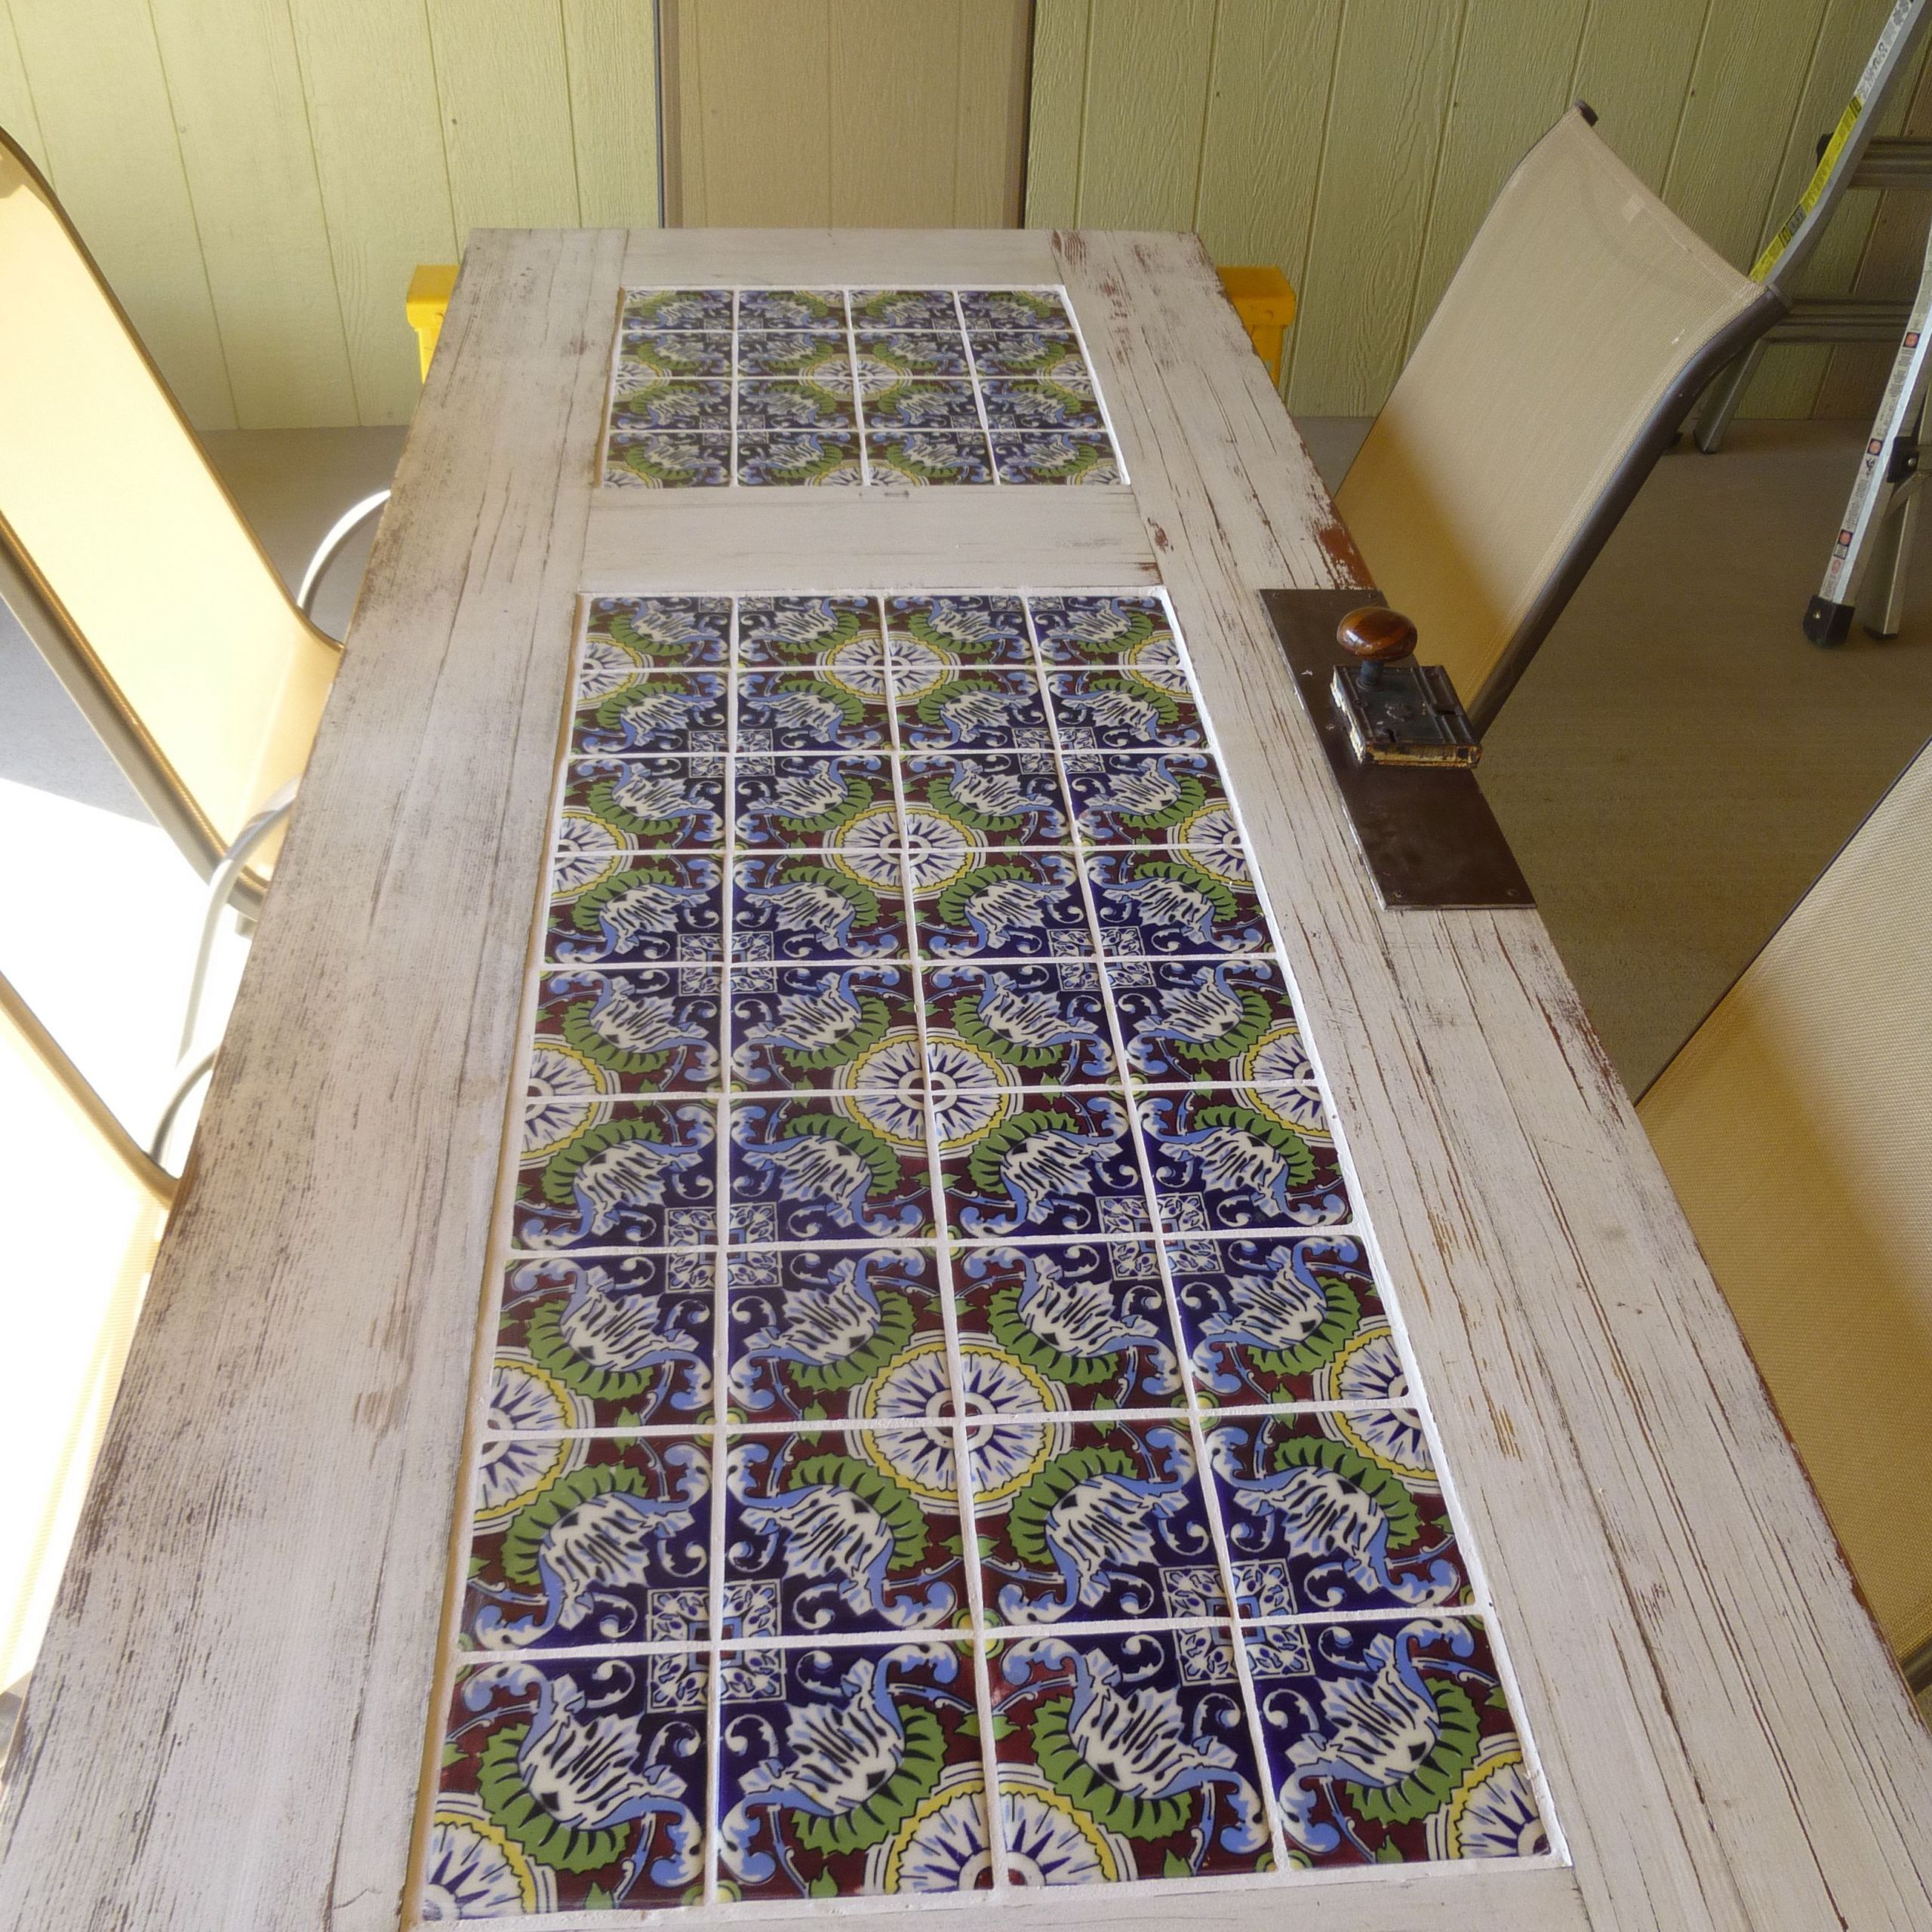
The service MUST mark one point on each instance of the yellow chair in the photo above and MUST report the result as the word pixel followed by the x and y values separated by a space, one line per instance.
pixel 1578 331
pixel 427 303
pixel 1264 301
pixel 1795 1127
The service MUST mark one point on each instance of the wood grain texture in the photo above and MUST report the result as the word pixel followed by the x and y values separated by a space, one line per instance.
pixel 234 87
pixel 369 80
pixel 271 1576
pixel 1727 1740
pixel 129 197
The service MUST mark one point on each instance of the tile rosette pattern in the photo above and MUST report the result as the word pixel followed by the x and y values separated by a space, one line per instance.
pixel 945 1431
pixel 756 388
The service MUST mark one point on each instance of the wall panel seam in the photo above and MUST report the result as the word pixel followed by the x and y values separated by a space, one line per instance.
pixel 1683 106
pixel 1206 112
pixel 1292 359
pixel 1411 323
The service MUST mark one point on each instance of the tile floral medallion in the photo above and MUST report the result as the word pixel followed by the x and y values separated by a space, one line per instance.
pixel 758 387
pixel 944 1430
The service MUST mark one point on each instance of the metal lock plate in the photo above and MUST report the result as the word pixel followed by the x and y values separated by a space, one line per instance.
pixel 1404 713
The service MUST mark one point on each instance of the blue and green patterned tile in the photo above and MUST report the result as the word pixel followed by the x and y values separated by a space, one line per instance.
pixel 1077 1326
pixel 1155 904
pixel 570 1785
pixel 1334 1517
pixel 1127 1754
pixel 1113 710
pixel 1029 402
pixel 1140 798
pixel 1274 1318
pixel 650 310
pixel 1391 1743
pixel 655 357
pixel 850 1772
pixel 617 1341
pixel 805 802
pixel 928 456
pixel 1130 634
pixel 791 309
pixel 1222 1163
pixel 1034 311
pixel 773 459
pixel 653 804
pixel 631 909
pixel 1186 1021
pixel 571 1551
pixel 988 708
pixel 638 1174
pixel 1056 358
pixel 931 635
pixel 661 711
pixel 811 1029
pixel 886 361
pixel 626 635
pixel 1007 798
pixel 798 711
pixel 1083 1521
pixel 598 1035
pixel 815 1332
pixel 1056 455
pixel 667 459
pixel 831 1167
pixel 790 405
pixel 973 903
pixel 858 1529
pixel 1018 1025
pixel 904 309
pixel 835 637
pixel 1060 1164
pixel 923 404
pixel 685 405
pixel 822 356
pixel 840 907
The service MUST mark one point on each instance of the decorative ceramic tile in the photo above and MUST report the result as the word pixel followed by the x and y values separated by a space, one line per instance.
pixel 682 711
pixel 1333 1521
pixel 912 1077
pixel 642 1175
pixel 1222 1163
pixel 1128 1754
pixel 1067 1326
pixel 928 456
pixel 1392 1742
pixel 852 1772
pixel 1115 710
pixel 840 1166
pixel 1064 1163
pixel 598 1035
pixel 634 911
pixel 1086 1522
pixel 567 1786
pixel 761 387
pixel 614 1342
pixel 1267 1318
pixel 649 804
pixel 659 460
pixel 805 1028
pixel 800 908
pixel 975 904
pixel 771 457
pixel 571 1539
pixel 824 1334
pixel 1158 904
pixel 856 1530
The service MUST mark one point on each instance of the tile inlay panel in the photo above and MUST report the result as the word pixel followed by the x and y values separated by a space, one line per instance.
pixel 754 387
pixel 936 1359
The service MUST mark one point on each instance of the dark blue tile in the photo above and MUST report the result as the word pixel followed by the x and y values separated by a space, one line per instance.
pixel 904 308
pixel 1017 1026
pixel 831 1168
pixel 667 459
pixel 996 708
pixel 1056 455
pixel 805 802
pixel 1030 403
pixel 1039 311
pixel 815 308
pixel 995 905
pixel 1064 1163
pixel 667 711
pixel 932 634
pixel 643 1176
pixel 816 1028
pixel 1160 904
pixel 1106 631
pixel 928 456
pixel 674 405
pixel 1221 1164
pixel 799 909
pixel 1219 1019
pixel 626 635
pixel 798 711
pixel 1130 798
pixel 1113 710
pixel 600 1034
pixel 923 403
pixel 650 804
pixel 648 309
pixel 782 458
pixel 613 910
pixel 1006 797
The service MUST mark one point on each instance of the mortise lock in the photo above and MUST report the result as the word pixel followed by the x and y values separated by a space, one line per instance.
pixel 1394 710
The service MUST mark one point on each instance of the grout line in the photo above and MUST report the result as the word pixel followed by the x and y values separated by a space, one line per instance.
pixel 858 402
pixel 979 395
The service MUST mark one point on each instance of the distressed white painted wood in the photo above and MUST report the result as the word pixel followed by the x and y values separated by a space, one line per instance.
pixel 226 1731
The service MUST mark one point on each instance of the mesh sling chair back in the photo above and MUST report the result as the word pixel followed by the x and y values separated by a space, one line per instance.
pixel 1795 1126
pixel 1581 326
pixel 124 559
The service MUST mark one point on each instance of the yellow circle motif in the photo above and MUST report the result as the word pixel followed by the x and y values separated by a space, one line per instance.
pixel 516 1861
pixel 887 1094
pixel 867 848
pixel 558 1101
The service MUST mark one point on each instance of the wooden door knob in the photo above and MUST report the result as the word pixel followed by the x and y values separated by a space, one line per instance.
pixel 1376 635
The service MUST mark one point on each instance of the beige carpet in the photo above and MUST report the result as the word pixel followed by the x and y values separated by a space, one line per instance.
pixel 1679 763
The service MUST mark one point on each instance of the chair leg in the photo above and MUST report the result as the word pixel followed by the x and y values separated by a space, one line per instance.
pixel 221 888
pixel 1722 397
pixel 344 527
pixel 1881 598
pixel 183 1086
